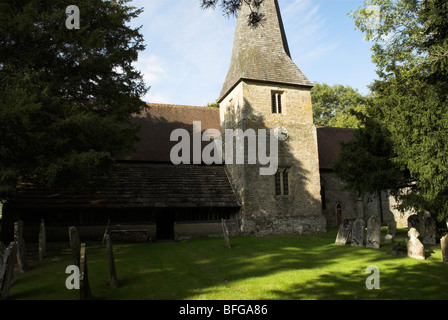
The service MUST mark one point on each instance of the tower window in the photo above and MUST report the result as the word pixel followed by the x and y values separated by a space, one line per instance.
pixel 286 183
pixel 278 184
pixel 282 183
pixel 276 100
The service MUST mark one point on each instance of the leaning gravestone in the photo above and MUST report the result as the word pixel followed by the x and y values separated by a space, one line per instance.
pixel 22 260
pixel 344 233
pixel 225 231
pixel 75 244
pixel 42 241
pixel 444 246
pixel 110 257
pixel 84 286
pixel 416 249
pixel 358 233
pixel 391 230
pixel 373 239
pixel 7 270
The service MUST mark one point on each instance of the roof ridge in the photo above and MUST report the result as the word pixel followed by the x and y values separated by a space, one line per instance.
pixel 149 104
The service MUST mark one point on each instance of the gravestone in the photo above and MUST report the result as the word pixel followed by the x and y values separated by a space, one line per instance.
pixel 226 234
pixel 84 285
pixel 22 260
pixel 425 225
pixel 373 239
pixel 416 249
pixel 391 230
pixel 7 270
pixel 42 241
pixel 344 233
pixel 2 252
pixel 430 233
pixel 358 233
pixel 75 245
pixel 110 257
pixel 444 246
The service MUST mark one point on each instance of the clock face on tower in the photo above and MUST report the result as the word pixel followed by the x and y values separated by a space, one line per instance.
pixel 281 133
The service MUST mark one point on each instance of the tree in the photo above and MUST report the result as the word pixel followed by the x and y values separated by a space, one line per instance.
pixel 231 7
pixel 213 105
pixel 410 98
pixel 67 96
pixel 336 106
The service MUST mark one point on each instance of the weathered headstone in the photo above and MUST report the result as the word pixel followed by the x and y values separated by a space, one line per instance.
pixel 84 285
pixel 444 246
pixel 226 234
pixel 416 249
pixel 430 233
pixel 373 239
pixel 42 241
pixel 110 256
pixel 75 245
pixel 2 252
pixel 391 230
pixel 358 233
pixel 344 233
pixel 7 270
pixel 22 260
pixel 425 225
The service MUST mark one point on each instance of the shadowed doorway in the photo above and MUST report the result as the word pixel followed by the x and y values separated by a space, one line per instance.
pixel 165 226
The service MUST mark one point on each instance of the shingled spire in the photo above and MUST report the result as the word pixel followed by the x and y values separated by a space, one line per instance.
pixel 262 53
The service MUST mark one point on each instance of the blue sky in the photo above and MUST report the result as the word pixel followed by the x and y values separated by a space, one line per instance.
pixel 188 50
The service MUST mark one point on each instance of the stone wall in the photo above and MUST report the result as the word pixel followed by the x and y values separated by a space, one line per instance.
pixel 353 208
pixel 248 106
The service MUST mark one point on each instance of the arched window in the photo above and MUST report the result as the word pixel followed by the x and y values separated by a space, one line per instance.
pixel 282 182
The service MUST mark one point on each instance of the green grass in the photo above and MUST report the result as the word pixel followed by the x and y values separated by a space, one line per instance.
pixel 273 268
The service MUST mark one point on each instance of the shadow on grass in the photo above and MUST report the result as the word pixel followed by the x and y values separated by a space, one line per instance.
pixel 275 268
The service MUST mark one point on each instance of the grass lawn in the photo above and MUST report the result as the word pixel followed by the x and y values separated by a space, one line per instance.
pixel 273 268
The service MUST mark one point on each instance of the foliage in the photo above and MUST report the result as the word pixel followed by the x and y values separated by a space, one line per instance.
pixel 67 96
pixel 337 105
pixel 231 7
pixel 213 105
pixel 410 98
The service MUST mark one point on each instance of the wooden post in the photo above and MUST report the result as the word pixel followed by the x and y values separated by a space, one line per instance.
pixel 42 241
pixel 75 244
pixel 110 255
pixel 106 232
pixel 7 270
pixel 85 291
pixel 226 234
pixel 22 260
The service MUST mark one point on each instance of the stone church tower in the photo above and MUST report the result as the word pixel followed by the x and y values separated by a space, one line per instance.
pixel 264 89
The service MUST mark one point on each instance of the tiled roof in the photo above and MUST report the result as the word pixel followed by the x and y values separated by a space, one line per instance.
pixel 160 120
pixel 139 186
pixel 329 140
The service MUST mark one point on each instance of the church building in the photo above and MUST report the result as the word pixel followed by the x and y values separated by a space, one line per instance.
pixel 263 90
